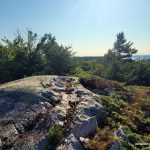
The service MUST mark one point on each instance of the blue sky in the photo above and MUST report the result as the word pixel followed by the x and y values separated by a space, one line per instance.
pixel 89 25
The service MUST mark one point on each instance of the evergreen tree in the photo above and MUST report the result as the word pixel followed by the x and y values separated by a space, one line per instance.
pixel 123 48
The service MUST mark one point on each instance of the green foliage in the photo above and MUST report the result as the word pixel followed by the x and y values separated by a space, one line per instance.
pixel 113 104
pixel 144 125
pixel 132 73
pixel 21 57
pixel 119 66
pixel 110 56
pixel 134 138
pixel 121 50
pixel 129 146
pixel 55 135
pixel 126 130
pixel 122 47
pixel 146 148
pixel 129 114
pixel 145 107
pixel 140 73
pixel 81 73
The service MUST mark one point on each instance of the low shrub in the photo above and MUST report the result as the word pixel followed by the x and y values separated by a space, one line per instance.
pixel 126 129
pixel 129 146
pixel 146 107
pixel 102 141
pixel 96 82
pixel 144 126
pixel 134 138
pixel 112 103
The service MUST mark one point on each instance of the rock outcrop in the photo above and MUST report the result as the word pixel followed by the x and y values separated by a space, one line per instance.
pixel 30 106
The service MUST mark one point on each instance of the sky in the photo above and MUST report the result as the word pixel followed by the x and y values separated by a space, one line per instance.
pixel 90 26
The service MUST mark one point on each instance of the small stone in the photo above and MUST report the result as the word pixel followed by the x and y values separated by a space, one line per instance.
pixel 84 140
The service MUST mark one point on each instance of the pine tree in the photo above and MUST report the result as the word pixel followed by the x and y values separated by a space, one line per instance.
pixel 123 48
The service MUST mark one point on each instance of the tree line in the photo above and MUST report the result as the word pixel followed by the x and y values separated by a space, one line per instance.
pixel 118 65
pixel 29 56
pixel 26 56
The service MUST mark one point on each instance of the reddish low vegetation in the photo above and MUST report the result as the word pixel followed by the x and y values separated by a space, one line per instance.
pixel 96 82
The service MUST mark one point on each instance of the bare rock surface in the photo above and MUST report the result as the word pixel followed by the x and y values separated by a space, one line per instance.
pixel 30 106
pixel 71 143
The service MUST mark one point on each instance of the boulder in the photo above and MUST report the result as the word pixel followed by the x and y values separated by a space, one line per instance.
pixel 84 126
pixel 90 107
pixel 70 143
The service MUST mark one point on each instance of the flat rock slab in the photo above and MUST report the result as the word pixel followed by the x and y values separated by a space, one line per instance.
pixel 30 106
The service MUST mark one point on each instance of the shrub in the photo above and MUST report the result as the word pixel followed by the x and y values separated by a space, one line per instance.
pixel 146 106
pixel 112 103
pixel 117 117
pixel 81 73
pixel 144 126
pixel 126 129
pixel 134 138
pixel 111 123
pixel 102 141
pixel 96 82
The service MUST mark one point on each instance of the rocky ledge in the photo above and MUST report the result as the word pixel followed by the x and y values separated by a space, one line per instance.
pixel 30 106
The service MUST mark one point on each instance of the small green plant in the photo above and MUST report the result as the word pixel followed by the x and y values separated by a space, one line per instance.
pixel 134 138
pixel 55 135
pixel 126 129
pixel 129 146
